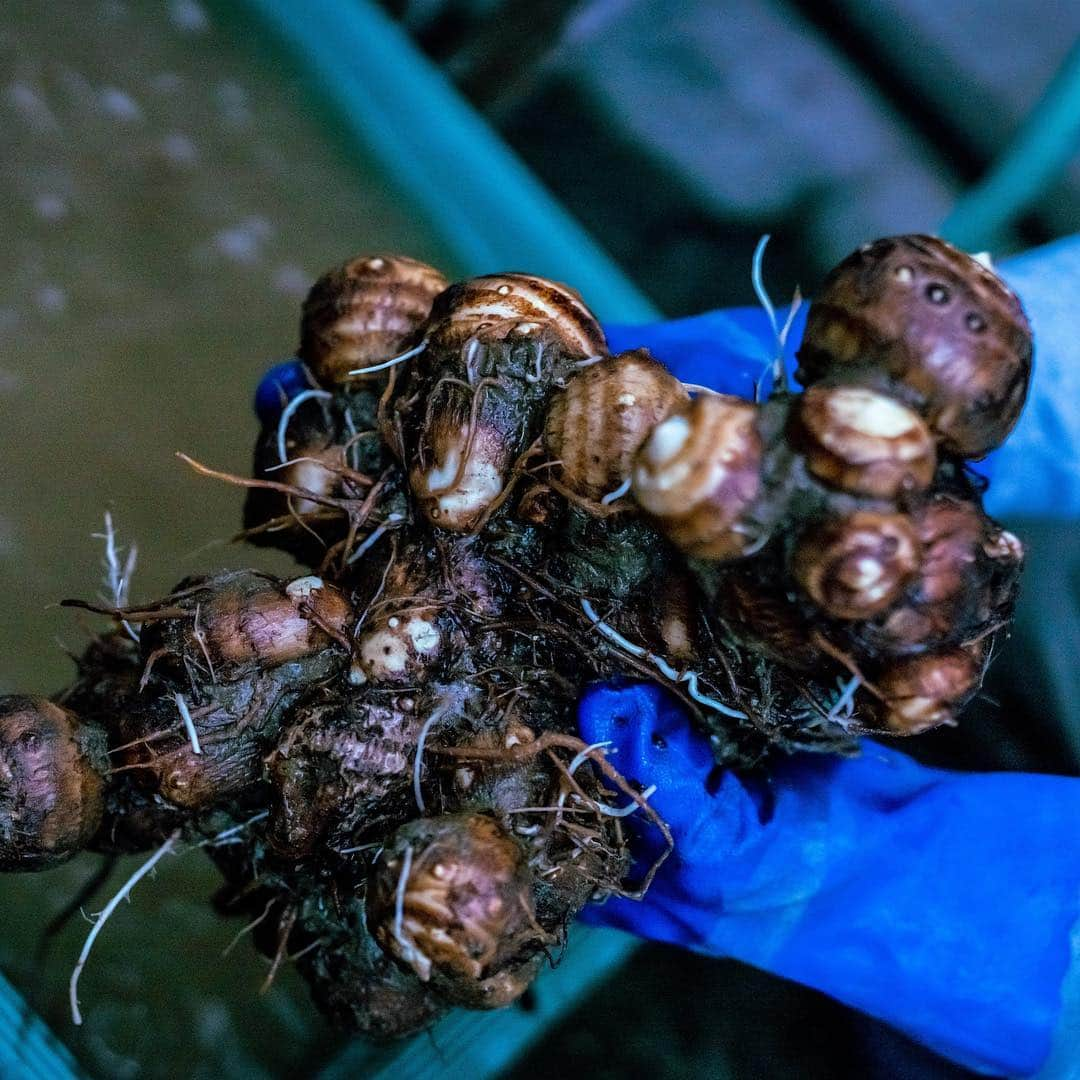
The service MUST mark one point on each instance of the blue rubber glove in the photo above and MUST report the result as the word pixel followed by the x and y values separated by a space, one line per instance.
pixel 939 902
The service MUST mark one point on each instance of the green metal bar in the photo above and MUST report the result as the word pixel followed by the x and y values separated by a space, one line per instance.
pixel 28 1049
pixel 398 109
pixel 1044 145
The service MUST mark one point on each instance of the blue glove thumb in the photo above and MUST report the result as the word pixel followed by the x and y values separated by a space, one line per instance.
pixel 939 902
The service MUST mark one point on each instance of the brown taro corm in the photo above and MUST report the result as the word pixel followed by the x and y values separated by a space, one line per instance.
pixel 941 330
pixel 380 754
pixel 51 783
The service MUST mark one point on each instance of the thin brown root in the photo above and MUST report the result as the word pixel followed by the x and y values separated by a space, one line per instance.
pixel 283 522
pixel 270 485
pixel 285 928
pixel 522 752
pixel 331 632
pixel 140 615
pixel 845 661
pixel 595 509
pixel 148 667
pixel 517 471
pixel 343 471
pixel 247 929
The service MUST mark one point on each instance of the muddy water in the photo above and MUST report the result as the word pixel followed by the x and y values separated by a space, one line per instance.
pixel 166 196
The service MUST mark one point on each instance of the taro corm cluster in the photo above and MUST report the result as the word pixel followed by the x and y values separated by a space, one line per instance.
pixel 493 511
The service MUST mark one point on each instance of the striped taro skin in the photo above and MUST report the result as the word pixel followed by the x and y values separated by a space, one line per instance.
pixel 699 477
pixel 864 442
pixel 524 303
pixel 364 312
pixel 935 326
pixel 856 567
pixel 597 423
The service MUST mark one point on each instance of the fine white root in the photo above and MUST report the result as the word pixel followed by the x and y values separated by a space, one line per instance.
pixel 375 536
pixel 625 811
pixel 113 904
pixel 785 330
pixel 687 678
pixel 758 282
pixel 394 360
pixel 584 755
pixel 618 493
pixel 844 704
pixel 780 333
pixel 227 835
pixel 840 705
pixel 189 724
pixel 436 715
pixel 117 576
pixel 410 954
pixel 536 374
pixel 287 415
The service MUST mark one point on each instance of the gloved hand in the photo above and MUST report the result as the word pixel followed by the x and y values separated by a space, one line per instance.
pixel 939 902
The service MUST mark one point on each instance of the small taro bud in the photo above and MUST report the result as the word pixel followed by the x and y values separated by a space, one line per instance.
pixel 399 648
pixel 520 303
pixel 946 330
pixel 451 898
pixel 51 783
pixel 243 619
pixel 924 692
pixel 465 474
pixel 968 573
pixel 314 466
pixel 857 566
pixel 956 535
pixel 596 425
pixel 362 313
pixel 864 442
pixel 699 474
pixel 314 460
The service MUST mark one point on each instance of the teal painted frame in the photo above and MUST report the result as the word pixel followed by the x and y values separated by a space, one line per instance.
pixel 1046 142
pixel 28 1049
pixel 393 107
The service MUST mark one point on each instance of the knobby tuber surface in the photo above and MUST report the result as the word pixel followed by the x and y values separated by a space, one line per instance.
pixel 380 754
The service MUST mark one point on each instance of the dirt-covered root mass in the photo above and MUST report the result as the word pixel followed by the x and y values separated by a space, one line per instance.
pixel 492 512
